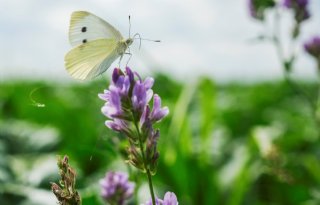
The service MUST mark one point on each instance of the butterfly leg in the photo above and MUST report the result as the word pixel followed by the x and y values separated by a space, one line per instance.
pixel 130 55
pixel 120 61
pixel 127 53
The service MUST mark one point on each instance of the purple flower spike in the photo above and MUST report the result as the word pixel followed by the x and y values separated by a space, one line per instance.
pixel 127 106
pixel 115 187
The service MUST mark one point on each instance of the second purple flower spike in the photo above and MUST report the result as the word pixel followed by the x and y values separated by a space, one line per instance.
pixel 128 108
pixel 169 199
pixel 115 187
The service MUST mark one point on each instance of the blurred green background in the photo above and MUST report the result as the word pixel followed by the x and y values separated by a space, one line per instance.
pixel 221 144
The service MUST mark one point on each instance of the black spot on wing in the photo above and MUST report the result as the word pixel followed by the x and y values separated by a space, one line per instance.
pixel 84 41
pixel 83 29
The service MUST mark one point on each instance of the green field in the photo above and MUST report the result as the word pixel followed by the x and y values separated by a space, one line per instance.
pixel 224 144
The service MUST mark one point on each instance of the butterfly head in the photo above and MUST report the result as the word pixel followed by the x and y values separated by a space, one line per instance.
pixel 129 41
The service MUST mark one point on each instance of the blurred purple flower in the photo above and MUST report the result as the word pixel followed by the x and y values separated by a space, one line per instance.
pixel 253 10
pixel 127 107
pixel 258 7
pixel 312 46
pixel 300 8
pixel 115 187
pixel 158 202
pixel 292 3
pixel 169 199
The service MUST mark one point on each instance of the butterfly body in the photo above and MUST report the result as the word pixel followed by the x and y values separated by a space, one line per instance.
pixel 123 45
pixel 96 45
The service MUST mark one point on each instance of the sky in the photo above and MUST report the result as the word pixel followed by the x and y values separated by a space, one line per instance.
pixel 198 38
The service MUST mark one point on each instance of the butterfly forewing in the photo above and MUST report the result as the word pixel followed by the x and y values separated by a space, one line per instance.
pixel 86 27
pixel 91 59
pixel 96 45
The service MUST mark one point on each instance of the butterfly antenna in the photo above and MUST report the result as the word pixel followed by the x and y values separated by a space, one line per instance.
pixel 129 27
pixel 139 37
pixel 145 39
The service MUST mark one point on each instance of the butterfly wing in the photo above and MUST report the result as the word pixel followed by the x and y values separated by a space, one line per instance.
pixel 91 59
pixel 85 26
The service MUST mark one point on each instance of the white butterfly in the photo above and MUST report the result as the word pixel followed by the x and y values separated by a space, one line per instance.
pixel 96 45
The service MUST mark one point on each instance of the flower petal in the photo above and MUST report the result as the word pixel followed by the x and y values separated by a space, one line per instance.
pixel 157 112
pixel 170 199
pixel 116 74
pixel 148 83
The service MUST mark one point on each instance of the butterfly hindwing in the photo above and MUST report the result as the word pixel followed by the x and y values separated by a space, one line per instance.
pixel 86 27
pixel 104 65
pixel 96 45
pixel 91 58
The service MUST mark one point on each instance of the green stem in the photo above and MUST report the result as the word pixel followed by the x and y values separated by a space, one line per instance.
pixel 151 187
pixel 316 115
pixel 318 85
pixel 300 92
pixel 288 62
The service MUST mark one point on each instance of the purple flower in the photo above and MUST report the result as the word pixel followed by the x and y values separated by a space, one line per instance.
pixel 127 106
pixel 157 112
pixel 292 3
pixel 115 187
pixel 158 202
pixel 258 7
pixel 113 106
pixel 141 96
pixel 299 7
pixel 313 47
pixel 169 199
pixel 252 9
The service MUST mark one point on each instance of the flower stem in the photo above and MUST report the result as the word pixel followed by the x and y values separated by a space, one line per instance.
pixel 287 63
pixel 151 187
